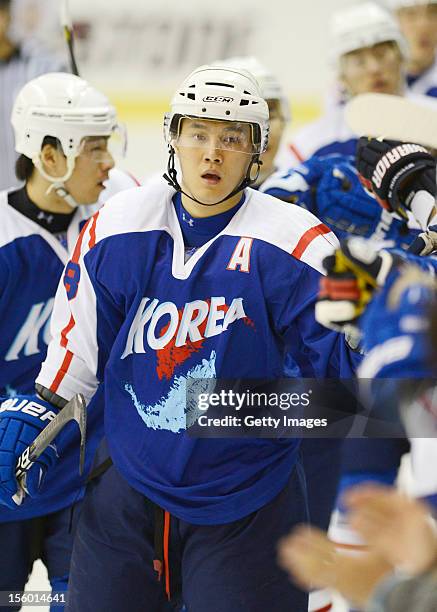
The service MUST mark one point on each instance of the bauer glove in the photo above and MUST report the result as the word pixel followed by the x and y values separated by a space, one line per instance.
pixel 21 420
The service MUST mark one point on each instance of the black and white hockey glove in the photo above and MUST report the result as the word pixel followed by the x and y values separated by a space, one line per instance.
pixel 398 174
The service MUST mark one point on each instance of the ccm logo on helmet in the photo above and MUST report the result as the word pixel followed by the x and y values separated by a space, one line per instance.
pixel 217 99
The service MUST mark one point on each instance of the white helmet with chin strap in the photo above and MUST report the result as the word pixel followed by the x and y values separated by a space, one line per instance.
pixel 363 25
pixel 218 93
pixel 269 85
pixel 67 108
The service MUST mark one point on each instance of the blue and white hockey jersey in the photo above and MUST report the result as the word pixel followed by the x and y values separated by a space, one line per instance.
pixel 326 136
pixel 133 314
pixel 426 83
pixel 31 265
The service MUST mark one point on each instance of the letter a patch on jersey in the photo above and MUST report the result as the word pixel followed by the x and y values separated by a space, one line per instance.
pixel 241 256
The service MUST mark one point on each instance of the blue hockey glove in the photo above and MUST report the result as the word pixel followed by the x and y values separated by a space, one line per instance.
pixel 330 188
pixel 345 206
pixel 395 326
pixel 21 420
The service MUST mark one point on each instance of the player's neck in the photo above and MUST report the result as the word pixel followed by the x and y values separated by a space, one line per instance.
pixel 416 67
pixel 37 187
pixel 7 48
pixel 197 210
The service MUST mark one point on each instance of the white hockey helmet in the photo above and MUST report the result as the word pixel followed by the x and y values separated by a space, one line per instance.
pixel 65 107
pixel 363 25
pixel 220 93
pixel 394 5
pixel 269 85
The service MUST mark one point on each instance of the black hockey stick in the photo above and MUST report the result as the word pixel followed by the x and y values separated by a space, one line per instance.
pixel 67 26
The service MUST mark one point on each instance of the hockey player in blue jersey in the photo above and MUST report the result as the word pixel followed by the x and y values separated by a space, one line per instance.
pixel 174 281
pixel 418 23
pixel 41 221
pixel 320 457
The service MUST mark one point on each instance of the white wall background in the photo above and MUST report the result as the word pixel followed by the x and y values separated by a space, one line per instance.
pixel 138 51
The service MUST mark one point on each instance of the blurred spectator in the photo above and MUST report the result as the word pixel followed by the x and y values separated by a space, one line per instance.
pixel 19 63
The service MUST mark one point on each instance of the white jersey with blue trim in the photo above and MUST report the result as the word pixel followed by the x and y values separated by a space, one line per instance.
pixel 426 83
pixel 31 264
pixel 328 135
pixel 135 318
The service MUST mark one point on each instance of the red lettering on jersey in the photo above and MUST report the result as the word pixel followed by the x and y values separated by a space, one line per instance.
pixel 172 356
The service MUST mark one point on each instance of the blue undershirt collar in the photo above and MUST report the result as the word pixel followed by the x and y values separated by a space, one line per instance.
pixel 197 231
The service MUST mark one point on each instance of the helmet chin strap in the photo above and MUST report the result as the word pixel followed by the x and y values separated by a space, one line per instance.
pixel 171 178
pixel 57 182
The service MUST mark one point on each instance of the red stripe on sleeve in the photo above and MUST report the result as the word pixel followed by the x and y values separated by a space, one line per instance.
pixel 296 152
pixel 62 371
pixel 306 239
pixel 134 178
pixel 92 240
pixel 78 246
pixel 66 330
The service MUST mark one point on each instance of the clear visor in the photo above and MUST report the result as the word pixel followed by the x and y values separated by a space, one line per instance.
pixel 214 134
pixel 104 149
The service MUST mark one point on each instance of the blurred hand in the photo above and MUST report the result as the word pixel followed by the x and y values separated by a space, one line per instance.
pixel 397 527
pixel 313 562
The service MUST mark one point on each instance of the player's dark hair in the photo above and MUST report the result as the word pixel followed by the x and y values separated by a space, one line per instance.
pixel 24 166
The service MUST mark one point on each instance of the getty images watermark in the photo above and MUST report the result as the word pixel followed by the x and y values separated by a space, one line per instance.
pixel 309 408
pixel 241 401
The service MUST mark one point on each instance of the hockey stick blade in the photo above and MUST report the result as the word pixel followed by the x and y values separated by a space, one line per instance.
pixel 408 119
pixel 74 410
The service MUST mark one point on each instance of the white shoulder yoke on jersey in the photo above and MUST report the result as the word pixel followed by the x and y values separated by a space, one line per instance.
pixel 262 217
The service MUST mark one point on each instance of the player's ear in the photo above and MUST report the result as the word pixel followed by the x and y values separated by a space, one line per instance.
pixel 53 159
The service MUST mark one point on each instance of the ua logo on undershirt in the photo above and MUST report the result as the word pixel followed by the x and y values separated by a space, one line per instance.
pixel 240 259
